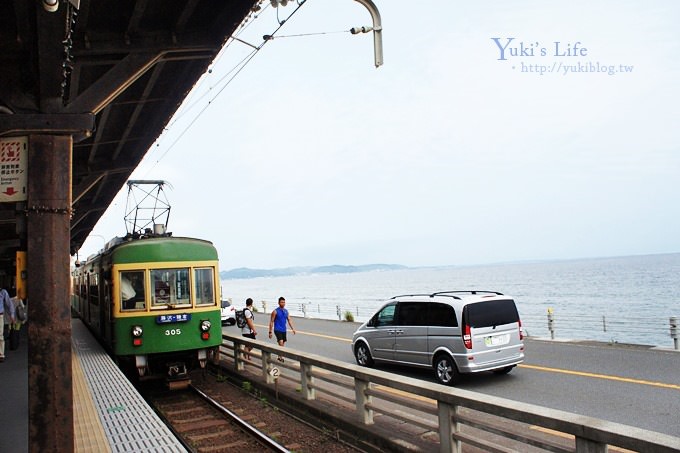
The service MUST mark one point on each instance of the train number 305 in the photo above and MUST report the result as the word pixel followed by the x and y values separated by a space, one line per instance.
pixel 170 332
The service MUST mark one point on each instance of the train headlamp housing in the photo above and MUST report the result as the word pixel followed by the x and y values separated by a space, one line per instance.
pixel 205 329
pixel 137 333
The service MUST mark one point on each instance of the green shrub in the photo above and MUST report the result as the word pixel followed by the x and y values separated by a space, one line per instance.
pixel 349 317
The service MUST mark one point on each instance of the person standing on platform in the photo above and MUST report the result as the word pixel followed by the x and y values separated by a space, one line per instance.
pixel 278 321
pixel 8 314
pixel 19 320
pixel 249 330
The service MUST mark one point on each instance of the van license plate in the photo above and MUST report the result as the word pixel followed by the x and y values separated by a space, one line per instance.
pixel 497 340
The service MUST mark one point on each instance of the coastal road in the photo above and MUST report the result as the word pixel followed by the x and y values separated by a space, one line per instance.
pixel 633 385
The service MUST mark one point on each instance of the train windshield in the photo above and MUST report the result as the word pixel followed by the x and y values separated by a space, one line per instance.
pixel 170 287
pixel 204 288
pixel 132 293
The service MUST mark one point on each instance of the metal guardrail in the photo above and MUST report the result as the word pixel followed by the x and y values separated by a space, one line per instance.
pixel 459 417
pixel 584 326
pixel 635 330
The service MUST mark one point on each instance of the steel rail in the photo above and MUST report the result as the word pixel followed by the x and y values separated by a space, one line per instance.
pixel 259 435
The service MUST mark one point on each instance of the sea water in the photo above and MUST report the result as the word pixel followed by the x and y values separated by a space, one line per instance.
pixel 620 299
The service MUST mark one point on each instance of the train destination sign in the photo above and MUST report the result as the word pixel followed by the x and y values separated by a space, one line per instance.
pixel 13 160
pixel 166 319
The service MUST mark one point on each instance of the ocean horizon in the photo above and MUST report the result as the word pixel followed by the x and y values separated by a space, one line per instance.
pixel 625 299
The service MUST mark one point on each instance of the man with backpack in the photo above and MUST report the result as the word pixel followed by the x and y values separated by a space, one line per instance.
pixel 247 325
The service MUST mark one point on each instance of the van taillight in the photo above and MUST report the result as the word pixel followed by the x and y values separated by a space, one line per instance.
pixel 521 329
pixel 467 338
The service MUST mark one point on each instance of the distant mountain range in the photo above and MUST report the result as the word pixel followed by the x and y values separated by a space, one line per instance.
pixel 244 272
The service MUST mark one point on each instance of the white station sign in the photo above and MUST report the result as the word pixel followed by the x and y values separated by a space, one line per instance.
pixel 13 169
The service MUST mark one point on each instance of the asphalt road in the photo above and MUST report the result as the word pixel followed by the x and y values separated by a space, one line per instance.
pixel 633 385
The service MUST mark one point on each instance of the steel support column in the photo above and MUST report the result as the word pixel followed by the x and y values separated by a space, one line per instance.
pixel 48 210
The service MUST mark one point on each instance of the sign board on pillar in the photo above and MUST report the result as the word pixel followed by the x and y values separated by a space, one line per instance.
pixel 13 169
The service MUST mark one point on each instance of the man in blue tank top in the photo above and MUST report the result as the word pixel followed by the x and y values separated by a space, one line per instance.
pixel 278 321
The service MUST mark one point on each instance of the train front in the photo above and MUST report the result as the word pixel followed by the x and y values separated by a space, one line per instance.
pixel 166 313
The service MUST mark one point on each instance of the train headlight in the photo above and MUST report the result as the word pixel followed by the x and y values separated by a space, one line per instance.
pixel 137 333
pixel 205 329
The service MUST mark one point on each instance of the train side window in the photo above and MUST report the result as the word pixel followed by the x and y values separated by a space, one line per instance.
pixel 132 292
pixel 204 286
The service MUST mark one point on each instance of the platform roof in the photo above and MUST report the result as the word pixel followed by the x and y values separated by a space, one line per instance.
pixel 111 74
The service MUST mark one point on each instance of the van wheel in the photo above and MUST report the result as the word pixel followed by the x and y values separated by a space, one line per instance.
pixel 505 370
pixel 445 370
pixel 363 355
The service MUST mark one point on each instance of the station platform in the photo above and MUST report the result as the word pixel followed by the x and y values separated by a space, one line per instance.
pixel 109 415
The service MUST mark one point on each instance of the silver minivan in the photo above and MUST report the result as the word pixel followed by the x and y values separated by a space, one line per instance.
pixel 453 332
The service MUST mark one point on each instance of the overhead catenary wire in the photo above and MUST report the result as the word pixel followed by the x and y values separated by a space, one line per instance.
pixel 238 68
pixel 188 107
pixel 270 37
pixel 235 37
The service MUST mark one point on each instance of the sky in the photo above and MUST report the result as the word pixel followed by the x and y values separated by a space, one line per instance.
pixel 495 131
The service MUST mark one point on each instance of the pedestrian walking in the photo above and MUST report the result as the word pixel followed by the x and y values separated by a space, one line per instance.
pixel 248 330
pixel 278 321
pixel 8 315
pixel 19 320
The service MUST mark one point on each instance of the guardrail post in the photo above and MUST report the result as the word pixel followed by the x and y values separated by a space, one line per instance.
pixel 266 364
pixel 238 353
pixel 551 323
pixel 674 331
pixel 307 381
pixel 363 400
pixel 445 428
pixel 589 446
pixel 304 310
pixel 337 307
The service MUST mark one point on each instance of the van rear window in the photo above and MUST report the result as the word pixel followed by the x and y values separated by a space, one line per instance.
pixel 491 313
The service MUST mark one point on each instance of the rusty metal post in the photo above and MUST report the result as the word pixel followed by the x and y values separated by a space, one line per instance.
pixel 48 211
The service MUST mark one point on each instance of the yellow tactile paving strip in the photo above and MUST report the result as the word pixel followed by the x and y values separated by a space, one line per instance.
pixel 87 430
pixel 109 414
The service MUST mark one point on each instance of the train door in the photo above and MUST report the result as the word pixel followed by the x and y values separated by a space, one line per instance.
pixel 105 306
pixel 84 298
pixel 93 301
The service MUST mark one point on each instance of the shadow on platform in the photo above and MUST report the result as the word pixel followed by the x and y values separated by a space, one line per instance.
pixel 14 397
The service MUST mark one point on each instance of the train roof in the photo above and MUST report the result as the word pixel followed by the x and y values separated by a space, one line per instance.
pixel 164 248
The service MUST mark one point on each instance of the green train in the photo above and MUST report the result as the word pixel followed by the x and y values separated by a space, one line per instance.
pixel 153 301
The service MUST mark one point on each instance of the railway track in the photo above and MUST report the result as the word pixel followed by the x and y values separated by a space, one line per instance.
pixel 206 425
